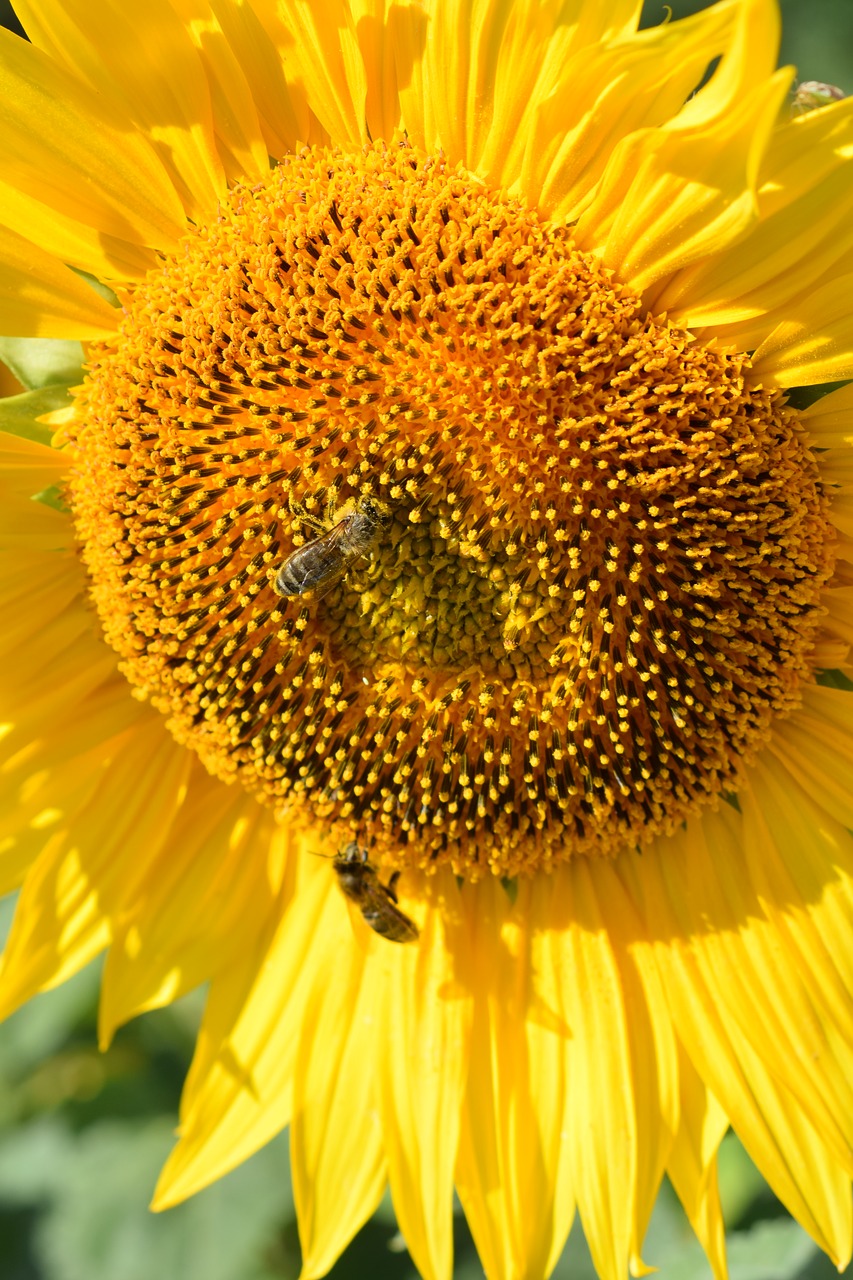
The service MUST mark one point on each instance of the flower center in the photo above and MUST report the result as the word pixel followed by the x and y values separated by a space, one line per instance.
pixel 595 579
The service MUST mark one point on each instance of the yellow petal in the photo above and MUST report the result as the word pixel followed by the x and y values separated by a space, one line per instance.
pixel 35 466
pixel 776 1006
pixel 838 601
pixel 28 525
pixel 793 1157
pixel 188 919
pixel 672 195
pixel 141 62
pixel 239 1092
pixel 806 861
pixel 653 1051
pixel 514 1173
pixel 603 93
pixel 473 74
pixel 61 144
pixel 829 421
pixel 841 512
pixel 692 1163
pixel 41 298
pixel 88 868
pixel 236 127
pixel 54 631
pixel 70 241
pixel 815 344
pixel 805 226
pixel 836 468
pixel 602 1118
pixel 39 791
pixel 323 61
pixel 282 107
pixel 45 778
pixel 338 1164
pixel 371 19
pixel 423 1026
pixel 816 745
pixel 55 728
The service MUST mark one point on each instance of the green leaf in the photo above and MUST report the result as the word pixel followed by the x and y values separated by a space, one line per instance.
pixel 670 1243
pixel 774 1250
pixel 18 414
pixel 741 1185
pixel 43 362
pixel 44 1025
pixel 104 290
pixel 99 1227
pixel 834 680
pixel 575 1262
pixel 34 1161
pixel 801 397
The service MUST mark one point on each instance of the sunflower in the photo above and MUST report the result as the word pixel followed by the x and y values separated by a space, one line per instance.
pixel 532 287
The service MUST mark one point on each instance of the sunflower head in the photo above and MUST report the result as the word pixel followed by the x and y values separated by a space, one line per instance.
pixel 591 556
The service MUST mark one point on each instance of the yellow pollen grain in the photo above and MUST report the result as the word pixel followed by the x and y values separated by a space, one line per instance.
pixel 599 583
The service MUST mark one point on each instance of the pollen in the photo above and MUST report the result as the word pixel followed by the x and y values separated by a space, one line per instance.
pixel 597 582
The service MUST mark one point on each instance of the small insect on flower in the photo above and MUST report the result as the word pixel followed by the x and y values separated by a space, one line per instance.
pixel 812 94
pixel 377 902
pixel 322 562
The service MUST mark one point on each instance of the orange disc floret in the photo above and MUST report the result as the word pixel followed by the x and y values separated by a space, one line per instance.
pixel 598 582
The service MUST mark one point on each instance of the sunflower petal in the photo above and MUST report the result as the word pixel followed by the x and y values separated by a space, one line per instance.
pixel 836 468
pixel 514 1168
pixel 320 51
pixel 34 466
pixel 53 128
pixel 85 872
pixel 805 861
pixel 688 940
pixel 472 74
pixel 670 196
pixel 805 202
pixel 692 1163
pixel 41 298
pixel 51 630
pixel 71 241
pixel 829 421
pixel 603 93
pixel 838 602
pixel 815 344
pixel 762 990
pixel 239 1092
pixel 339 1170
pixel 815 744
pixel 653 1050
pixel 424 1021
pixel 186 921
pixel 258 40
pixel 371 19
pixel 141 62
pixel 239 140
pixel 604 1135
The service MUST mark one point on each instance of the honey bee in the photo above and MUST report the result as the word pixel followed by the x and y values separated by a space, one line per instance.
pixel 319 564
pixel 377 902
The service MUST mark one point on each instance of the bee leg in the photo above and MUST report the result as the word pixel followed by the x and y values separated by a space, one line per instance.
pixel 333 495
pixel 391 886
pixel 299 512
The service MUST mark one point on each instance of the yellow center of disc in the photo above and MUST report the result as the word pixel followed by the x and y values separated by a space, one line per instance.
pixel 597 581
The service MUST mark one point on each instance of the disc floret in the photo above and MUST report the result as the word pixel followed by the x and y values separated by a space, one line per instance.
pixel 599 580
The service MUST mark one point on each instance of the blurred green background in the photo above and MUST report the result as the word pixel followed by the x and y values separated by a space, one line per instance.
pixel 83 1134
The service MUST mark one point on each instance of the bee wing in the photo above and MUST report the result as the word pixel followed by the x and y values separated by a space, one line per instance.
pixel 315 567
